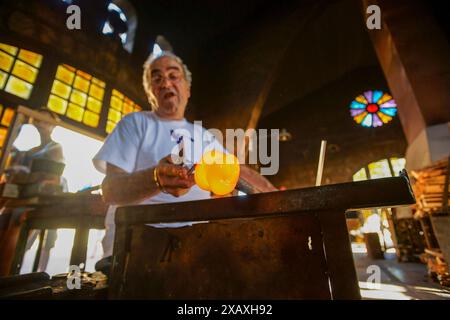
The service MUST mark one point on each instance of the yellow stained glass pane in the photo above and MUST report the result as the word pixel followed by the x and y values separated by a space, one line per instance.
pixel 361 99
pixel 3 133
pixel 64 74
pixel 78 97
pixel 94 105
pixel 61 89
pixel 18 87
pixel 25 71
pixel 10 49
pixel 70 68
pixel 91 119
pixel 7 117
pixel 96 92
pixel 129 101
pixel 84 75
pixel 127 108
pixel 75 112
pixel 81 84
pixel 110 126
pixel 384 117
pixel 57 104
pixel 6 61
pixel 360 175
pixel 379 169
pixel 114 115
pixel 3 77
pixel 116 103
pixel 117 94
pixel 30 57
pixel 360 117
pixel 386 97
pixel 97 82
pixel 137 108
pixel 398 164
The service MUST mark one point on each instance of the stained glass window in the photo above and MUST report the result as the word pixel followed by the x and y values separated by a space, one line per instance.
pixel 373 109
pixel 18 70
pixel 398 164
pixel 379 169
pixel 360 175
pixel 384 168
pixel 108 29
pixel 77 95
pixel 119 106
pixel 6 117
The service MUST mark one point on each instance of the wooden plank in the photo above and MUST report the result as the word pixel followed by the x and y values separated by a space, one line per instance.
pixel 8 242
pixel 435 253
pixel 39 250
pixel 19 280
pixel 20 250
pixel 80 244
pixel 69 222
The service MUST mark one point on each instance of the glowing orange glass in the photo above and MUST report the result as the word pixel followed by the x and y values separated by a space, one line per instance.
pixel 217 172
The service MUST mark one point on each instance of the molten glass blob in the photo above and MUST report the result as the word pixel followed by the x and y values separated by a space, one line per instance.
pixel 217 172
pixel 200 177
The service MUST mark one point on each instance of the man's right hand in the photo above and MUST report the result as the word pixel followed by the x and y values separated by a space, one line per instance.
pixel 174 179
pixel 123 188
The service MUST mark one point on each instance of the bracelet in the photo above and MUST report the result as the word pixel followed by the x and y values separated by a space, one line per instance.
pixel 156 179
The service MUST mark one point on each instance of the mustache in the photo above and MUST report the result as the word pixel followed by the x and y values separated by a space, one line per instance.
pixel 168 93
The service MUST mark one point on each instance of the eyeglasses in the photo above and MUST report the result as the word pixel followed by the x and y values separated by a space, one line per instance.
pixel 174 77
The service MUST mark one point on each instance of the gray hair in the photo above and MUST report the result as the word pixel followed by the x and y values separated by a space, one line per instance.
pixel 146 76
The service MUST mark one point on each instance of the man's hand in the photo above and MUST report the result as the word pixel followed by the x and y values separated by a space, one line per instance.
pixel 123 188
pixel 174 179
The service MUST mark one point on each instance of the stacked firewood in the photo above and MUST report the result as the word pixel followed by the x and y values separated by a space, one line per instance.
pixel 431 194
pixel 437 267
pixel 429 189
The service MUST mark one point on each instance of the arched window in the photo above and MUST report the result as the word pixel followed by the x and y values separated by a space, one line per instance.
pixel 384 168
pixel 122 22
pixel 377 220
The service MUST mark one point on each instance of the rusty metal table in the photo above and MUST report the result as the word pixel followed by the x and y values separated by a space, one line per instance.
pixel 280 245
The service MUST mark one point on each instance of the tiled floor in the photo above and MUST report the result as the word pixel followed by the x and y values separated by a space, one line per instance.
pixel 398 281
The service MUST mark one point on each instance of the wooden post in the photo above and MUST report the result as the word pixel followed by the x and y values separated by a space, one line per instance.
pixel 338 253
pixel 80 244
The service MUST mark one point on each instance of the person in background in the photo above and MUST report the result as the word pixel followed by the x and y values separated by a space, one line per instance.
pixel 20 169
pixel 21 162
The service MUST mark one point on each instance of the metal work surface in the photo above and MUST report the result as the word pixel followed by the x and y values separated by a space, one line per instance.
pixel 280 245
pixel 387 192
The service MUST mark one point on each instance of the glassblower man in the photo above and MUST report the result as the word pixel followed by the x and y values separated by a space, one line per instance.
pixel 136 156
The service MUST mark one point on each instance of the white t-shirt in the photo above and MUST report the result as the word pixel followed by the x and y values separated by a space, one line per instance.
pixel 139 141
